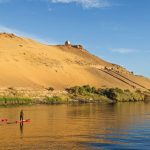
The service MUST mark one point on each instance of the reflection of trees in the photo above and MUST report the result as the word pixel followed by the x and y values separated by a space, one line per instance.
pixel 121 115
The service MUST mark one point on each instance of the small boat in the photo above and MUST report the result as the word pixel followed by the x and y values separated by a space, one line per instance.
pixel 27 120
pixel 14 122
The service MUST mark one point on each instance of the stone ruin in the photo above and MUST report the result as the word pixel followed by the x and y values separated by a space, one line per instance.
pixel 68 44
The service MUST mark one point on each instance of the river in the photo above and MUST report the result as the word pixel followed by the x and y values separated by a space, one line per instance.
pixel 77 127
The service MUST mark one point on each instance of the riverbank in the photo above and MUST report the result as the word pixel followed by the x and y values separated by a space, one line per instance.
pixel 77 94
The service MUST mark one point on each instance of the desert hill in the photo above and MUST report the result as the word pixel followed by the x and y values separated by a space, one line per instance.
pixel 29 64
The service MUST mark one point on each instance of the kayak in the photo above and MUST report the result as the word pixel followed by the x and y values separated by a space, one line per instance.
pixel 3 120
pixel 27 120
pixel 14 122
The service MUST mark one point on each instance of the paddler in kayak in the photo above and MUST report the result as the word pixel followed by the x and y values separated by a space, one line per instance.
pixel 21 115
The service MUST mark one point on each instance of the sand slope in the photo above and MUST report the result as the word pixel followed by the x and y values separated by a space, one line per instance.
pixel 27 63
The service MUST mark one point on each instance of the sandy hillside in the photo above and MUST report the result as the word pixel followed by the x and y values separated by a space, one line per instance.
pixel 29 64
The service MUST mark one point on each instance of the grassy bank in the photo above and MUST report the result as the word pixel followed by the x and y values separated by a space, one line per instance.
pixel 81 94
pixel 15 101
pixel 106 95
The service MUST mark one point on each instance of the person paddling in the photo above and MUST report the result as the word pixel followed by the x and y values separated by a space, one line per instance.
pixel 21 115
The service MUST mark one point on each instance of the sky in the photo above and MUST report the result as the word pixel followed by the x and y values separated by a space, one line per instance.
pixel 115 30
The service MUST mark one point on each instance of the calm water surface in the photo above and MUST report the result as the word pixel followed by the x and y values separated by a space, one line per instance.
pixel 77 127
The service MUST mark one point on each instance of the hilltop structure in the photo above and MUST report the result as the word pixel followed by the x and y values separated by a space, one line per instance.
pixel 67 43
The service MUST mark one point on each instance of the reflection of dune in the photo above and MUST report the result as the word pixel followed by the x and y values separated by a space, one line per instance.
pixel 73 126
pixel 26 63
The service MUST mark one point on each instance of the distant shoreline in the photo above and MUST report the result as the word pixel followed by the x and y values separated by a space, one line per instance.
pixel 76 94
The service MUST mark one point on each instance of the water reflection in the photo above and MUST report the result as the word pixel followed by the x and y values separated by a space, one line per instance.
pixel 78 127
pixel 21 128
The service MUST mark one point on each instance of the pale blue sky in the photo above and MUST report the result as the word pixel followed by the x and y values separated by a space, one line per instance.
pixel 115 30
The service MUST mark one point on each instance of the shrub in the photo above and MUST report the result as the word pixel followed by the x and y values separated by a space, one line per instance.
pixel 87 88
pixel 100 91
pixel 11 88
pixel 73 90
pixel 118 90
pixel 114 94
pixel 50 89
pixel 93 89
pixel 127 90
pixel 138 91
pixel 111 93
pixel 81 90
pixel 53 100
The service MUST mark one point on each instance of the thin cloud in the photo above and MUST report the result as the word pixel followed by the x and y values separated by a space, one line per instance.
pixel 123 50
pixel 28 35
pixel 86 3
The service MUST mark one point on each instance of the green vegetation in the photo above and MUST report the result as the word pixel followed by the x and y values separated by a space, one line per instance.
pixel 108 94
pixel 15 100
pixel 53 100
pixel 81 90
pixel 79 94
pixel 119 95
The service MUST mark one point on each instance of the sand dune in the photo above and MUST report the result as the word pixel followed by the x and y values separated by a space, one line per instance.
pixel 29 64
